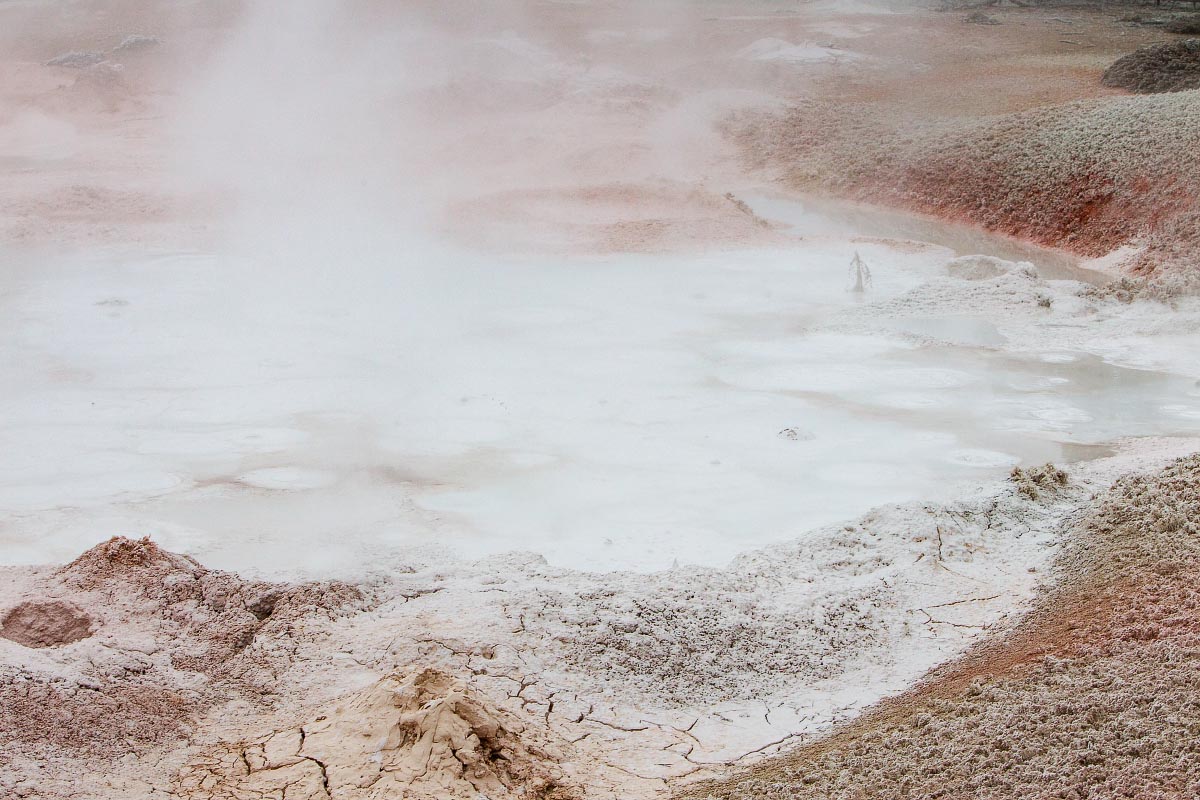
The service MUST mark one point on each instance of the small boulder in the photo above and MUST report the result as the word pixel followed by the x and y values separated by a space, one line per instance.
pixel 135 42
pixel 978 268
pixel 980 18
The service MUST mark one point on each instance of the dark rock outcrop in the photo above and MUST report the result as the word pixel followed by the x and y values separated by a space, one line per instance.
pixel 1189 24
pixel 1172 67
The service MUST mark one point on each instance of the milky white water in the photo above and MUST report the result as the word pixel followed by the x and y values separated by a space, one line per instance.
pixel 626 412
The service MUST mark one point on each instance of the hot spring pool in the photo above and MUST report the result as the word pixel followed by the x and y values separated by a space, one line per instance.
pixel 618 413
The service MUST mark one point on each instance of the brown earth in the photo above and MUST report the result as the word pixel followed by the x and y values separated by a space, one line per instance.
pixel 1037 148
pixel 1094 694
pixel 165 639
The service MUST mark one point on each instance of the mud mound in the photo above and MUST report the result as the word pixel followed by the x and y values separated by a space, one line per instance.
pixel 178 641
pixel 143 569
pixel 427 736
pixel 1171 67
pixel 127 564
pixel 218 624
pixel 213 609
pixel 1094 695
pixel 977 268
pixel 45 624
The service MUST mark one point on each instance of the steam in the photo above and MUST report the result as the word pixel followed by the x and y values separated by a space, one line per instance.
pixel 339 141
pixel 349 126
pixel 396 329
pixel 298 123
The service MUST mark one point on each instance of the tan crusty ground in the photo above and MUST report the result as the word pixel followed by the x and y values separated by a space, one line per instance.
pixel 422 735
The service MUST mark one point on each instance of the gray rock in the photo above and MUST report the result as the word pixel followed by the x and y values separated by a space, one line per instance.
pixel 79 59
pixel 980 18
pixel 135 42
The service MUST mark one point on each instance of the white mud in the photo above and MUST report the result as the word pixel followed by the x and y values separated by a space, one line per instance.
pixel 615 413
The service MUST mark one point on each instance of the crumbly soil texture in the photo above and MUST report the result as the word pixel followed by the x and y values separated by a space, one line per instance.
pixel 511 679
pixel 1094 694
pixel 1063 156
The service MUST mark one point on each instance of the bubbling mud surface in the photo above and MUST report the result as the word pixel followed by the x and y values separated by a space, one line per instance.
pixel 244 318
pixel 610 413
